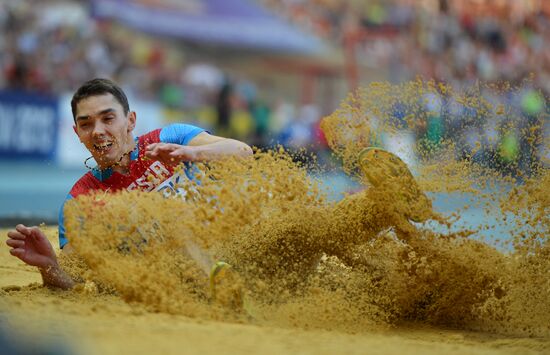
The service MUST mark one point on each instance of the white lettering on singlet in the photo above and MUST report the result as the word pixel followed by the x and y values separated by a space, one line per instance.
pixel 153 176
pixel 157 177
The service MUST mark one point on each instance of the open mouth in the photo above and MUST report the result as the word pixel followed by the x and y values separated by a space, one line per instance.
pixel 103 147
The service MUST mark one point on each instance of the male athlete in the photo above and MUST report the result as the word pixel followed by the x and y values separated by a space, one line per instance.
pixel 104 124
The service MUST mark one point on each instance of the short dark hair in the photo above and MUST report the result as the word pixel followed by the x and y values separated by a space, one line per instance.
pixel 96 87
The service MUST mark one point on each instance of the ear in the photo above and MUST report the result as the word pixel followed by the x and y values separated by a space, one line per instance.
pixel 131 121
pixel 76 131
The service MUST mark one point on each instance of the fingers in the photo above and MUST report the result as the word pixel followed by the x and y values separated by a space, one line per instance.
pixel 13 234
pixel 23 232
pixel 151 146
pixel 159 147
pixel 23 229
pixel 152 150
pixel 18 252
pixel 15 243
pixel 162 151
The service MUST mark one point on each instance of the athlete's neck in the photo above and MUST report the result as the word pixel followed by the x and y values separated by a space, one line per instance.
pixel 124 166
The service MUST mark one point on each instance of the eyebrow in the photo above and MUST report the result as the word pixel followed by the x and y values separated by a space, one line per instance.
pixel 100 113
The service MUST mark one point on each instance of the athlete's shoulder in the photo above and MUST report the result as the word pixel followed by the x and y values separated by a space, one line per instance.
pixel 150 137
pixel 179 133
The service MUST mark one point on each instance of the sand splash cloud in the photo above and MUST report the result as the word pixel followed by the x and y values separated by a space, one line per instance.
pixel 302 260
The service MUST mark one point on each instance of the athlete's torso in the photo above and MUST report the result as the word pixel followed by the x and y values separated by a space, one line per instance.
pixel 143 174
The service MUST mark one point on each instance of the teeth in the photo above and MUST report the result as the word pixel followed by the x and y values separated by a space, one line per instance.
pixel 103 145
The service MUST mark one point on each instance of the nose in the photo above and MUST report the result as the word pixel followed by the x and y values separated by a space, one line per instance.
pixel 99 129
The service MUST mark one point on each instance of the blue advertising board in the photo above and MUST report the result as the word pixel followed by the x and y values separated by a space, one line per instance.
pixel 28 125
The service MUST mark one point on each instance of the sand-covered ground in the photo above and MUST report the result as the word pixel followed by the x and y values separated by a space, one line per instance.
pixel 91 323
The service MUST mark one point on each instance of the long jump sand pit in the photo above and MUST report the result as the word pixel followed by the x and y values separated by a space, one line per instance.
pixel 86 322
pixel 309 275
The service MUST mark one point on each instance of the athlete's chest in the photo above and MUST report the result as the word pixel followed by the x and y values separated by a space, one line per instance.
pixel 143 174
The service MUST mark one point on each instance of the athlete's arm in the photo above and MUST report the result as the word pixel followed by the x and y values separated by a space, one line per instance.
pixel 30 245
pixel 203 147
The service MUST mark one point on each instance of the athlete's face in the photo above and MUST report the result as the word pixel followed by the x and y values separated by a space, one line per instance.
pixel 104 129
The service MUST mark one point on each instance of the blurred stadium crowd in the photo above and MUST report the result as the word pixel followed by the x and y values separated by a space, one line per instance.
pixel 442 39
pixel 53 46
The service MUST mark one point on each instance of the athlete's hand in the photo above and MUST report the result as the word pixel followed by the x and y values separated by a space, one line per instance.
pixel 31 246
pixel 170 154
